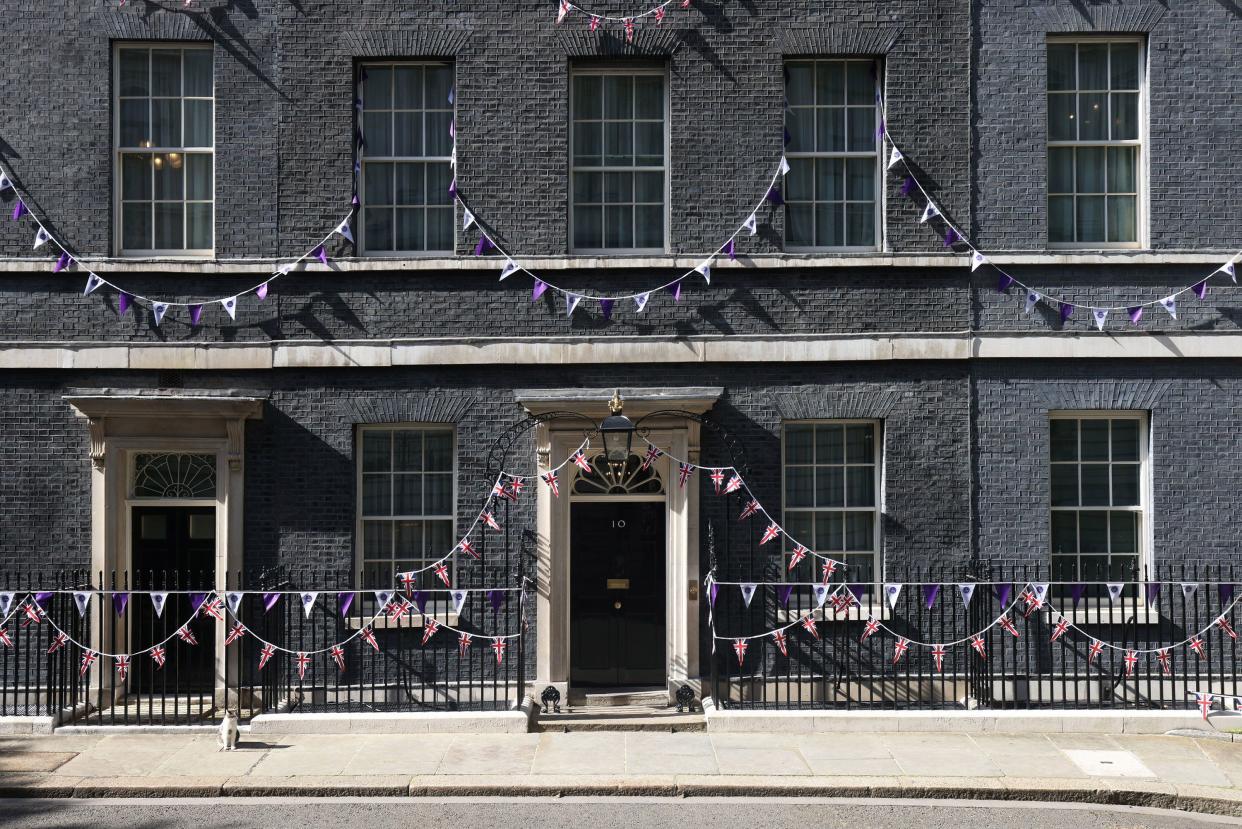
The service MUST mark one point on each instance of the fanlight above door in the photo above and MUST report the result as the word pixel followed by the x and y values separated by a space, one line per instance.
pixel 627 478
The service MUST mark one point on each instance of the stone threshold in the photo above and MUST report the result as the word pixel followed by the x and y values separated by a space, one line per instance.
pixel 514 721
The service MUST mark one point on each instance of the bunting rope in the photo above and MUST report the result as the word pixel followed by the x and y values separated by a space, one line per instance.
pixel 565 8
pixel 954 236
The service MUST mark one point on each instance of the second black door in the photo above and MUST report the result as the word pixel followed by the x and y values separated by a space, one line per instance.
pixel 617 596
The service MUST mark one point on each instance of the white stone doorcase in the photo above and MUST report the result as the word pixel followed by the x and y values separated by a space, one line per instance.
pixel 676 435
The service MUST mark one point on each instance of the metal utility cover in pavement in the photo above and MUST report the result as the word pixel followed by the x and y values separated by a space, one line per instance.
pixel 1109 763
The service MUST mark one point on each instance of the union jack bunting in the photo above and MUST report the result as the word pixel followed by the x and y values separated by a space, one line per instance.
pixel 717 477
pixel 778 636
pixel 1033 603
pixel 238 631
pixel 808 622
pixel 33 612
pixel 368 636
pixel 159 655
pixel 58 642
pixel 977 643
pixel 516 486
pixel 683 473
pixel 829 568
pixel 338 655
pixel 303 661
pixel 429 630
pixel 842 601
pixel 1224 625
pixel 1205 703
pixel 1166 665
pixel 1131 660
pixel 186 635
pixel 564 10
pixel 266 653
pixel 797 555
pixel 770 533
pixel 652 454
pixel 873 625
pixel 1007 625
pixel 122 666
pixel 594 24
pixel 1196 645
pixel 938 656
pixel 735 483
pixel 4 637
pixel 441 570
pixel 498 489
pixel 463 643
pixel 88 659
pixel 549 478
pixel 213 608
pixel 1060 630
pixel 580 461
pixel 750 509
pixel 659 14
pixel 629 30
pixel 739 647
pixel 1097 647
pixel 466 547
pixel 499 645
pixel 398 609
pixel 408 581
pixel 899 649
pixel 490 520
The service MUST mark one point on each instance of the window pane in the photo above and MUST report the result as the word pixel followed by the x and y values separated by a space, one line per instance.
pixel 136 226
pixel 619 227
pixel 1091 219
pixel 407 134
pixel 439 176
pixel 1092 116
pixel 1061 57
pixel 407 88
pixel 830 130
pixel 649 144
pixel 1094 440
pixel 135 126
pixel 408 229
pixel 830 531
pixel 588 188
pixel 198 226
pixel 376 540
pixel 1060 170
pixel 860 181
pixel 860 224
pixel 588 102
pixel 861 129
pixel 135 72
pixel 377 133
pixel 799 84
pixel 407 450
pixel 1064 485
pixel 198 124
pixel 197 69
pixel 1093 66
pixel 1093 532
pixel 377 225
pixel 438 451
pixel 1065 532
pixel 860 83
pixel 799 528
pixel 376 451
pixel 1125 66
pixel 830 443
pixel 800 225
pixel 798 444
pixel 618 187
pixel 858 534
pixel 135 176
pixel 165 72
pixel 859 443
pixel 1121 174
pixel 649 226
pixel 649 188
pixel 169 177
pixel 799 182
pixel 649 97
pixel 799 486
pixel 1125 440
pixel 166 122
pixel 618 96
pixel 1122 219
pixel 829 486
pixel 1061 218
pixel 1125 485
pixel 376 495
pixel 830 224
pixel 438 494
pixel 1062 120
pixel 1063 435
pixel 588 227
pixel 439 228
pixel 1125 116
pixel 830 179
pixel 169 226
pixel 801 125
pixel 439 82
pixel 407 541
pixel 830 83
pixel 588 144
pixel 1095 491
pixel 410 184
pixel 619 143
pixel 437 538
pixel 1124 526
pixel 407 494
pixel 860 491
pixel 439 141
pixel 377 88
pixel 377 183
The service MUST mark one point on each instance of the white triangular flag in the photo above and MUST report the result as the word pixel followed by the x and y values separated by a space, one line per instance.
pixel 571 304
pixel 92 283
pixel 1114 591
pixel 230 307
pixel 308 602
pixel 453 157
pixel 1229 269
pixel 894 157
pixel 42 237
pixel 1040 589
pixel 821 594
pixel 1170 305
pixel 382 598
pixel 81 599
pixel 966 591
pixel 467 218
pixel 892 591
pixel 1032 299
pixel 157 601
pixel 459 599
pixel 233 600
pixel 5 184
pixel 1100 316
pixel 929 212
pixel 640 302
pixel 1188 590
pixel 159 309
pixel 976 260
pixel 706 269
pixel 6 598
pixel 784 165
pixel 508 270
pixel 748 592
pixel 343 229
pixel 751 224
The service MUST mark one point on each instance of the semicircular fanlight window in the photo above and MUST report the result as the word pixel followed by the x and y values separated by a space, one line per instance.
pixel 174 475
pixel 617 478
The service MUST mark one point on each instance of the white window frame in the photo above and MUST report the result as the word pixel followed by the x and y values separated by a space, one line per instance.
pixel 1141 142
pixel 1143 510
pixel 666 168
pixel 877 551
pixel 877 154
pixel 363 158
pixel 359 519
pixel 118 151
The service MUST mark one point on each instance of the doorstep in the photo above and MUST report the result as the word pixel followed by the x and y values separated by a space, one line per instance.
pixel 15 726
pixel 514 721
pixel 968 722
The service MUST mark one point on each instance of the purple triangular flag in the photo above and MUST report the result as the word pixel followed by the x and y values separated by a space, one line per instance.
pixel 1136 314
pixel 675 290
pixel 1076 593
pixel 1003 592
pixel 261 292
pixel 1003 283
pixel 344 601
pixel 1153 590
pixel 1067 311
pixel 879 131
pixel 537 291
pixel 41 598
pixel 1226 592
pixel 782 594
pixel 951 238
pixel 907 186
pixel 420 601
pixel 930 592
pixel 355 201
pixel 711 594
pixel 774 195
pixel 452 191
pixel 19 209
pixel 196 601
pixel 122 302
pixel 119 602
pixel 1201 289
pixel 63 262
pixel 496 598
pixel 321 255
pixel 856 590
pixel 484 245
pixel 730 249
pixel 605 307
pixel 269 601
pixel 196 314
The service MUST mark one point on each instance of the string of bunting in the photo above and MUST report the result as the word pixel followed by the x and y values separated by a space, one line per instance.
pixel 1204 700
pixel 953 238
pixel 629 22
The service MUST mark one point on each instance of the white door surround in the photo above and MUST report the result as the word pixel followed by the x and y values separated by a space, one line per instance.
pixel 555 440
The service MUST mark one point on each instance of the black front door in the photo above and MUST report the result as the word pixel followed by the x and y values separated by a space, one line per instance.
pixel 174 548
pixel 616 605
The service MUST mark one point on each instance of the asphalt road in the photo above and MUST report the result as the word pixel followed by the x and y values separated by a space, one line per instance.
pixel 596 813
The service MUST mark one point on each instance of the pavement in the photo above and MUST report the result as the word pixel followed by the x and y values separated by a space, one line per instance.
pixel 1191 773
